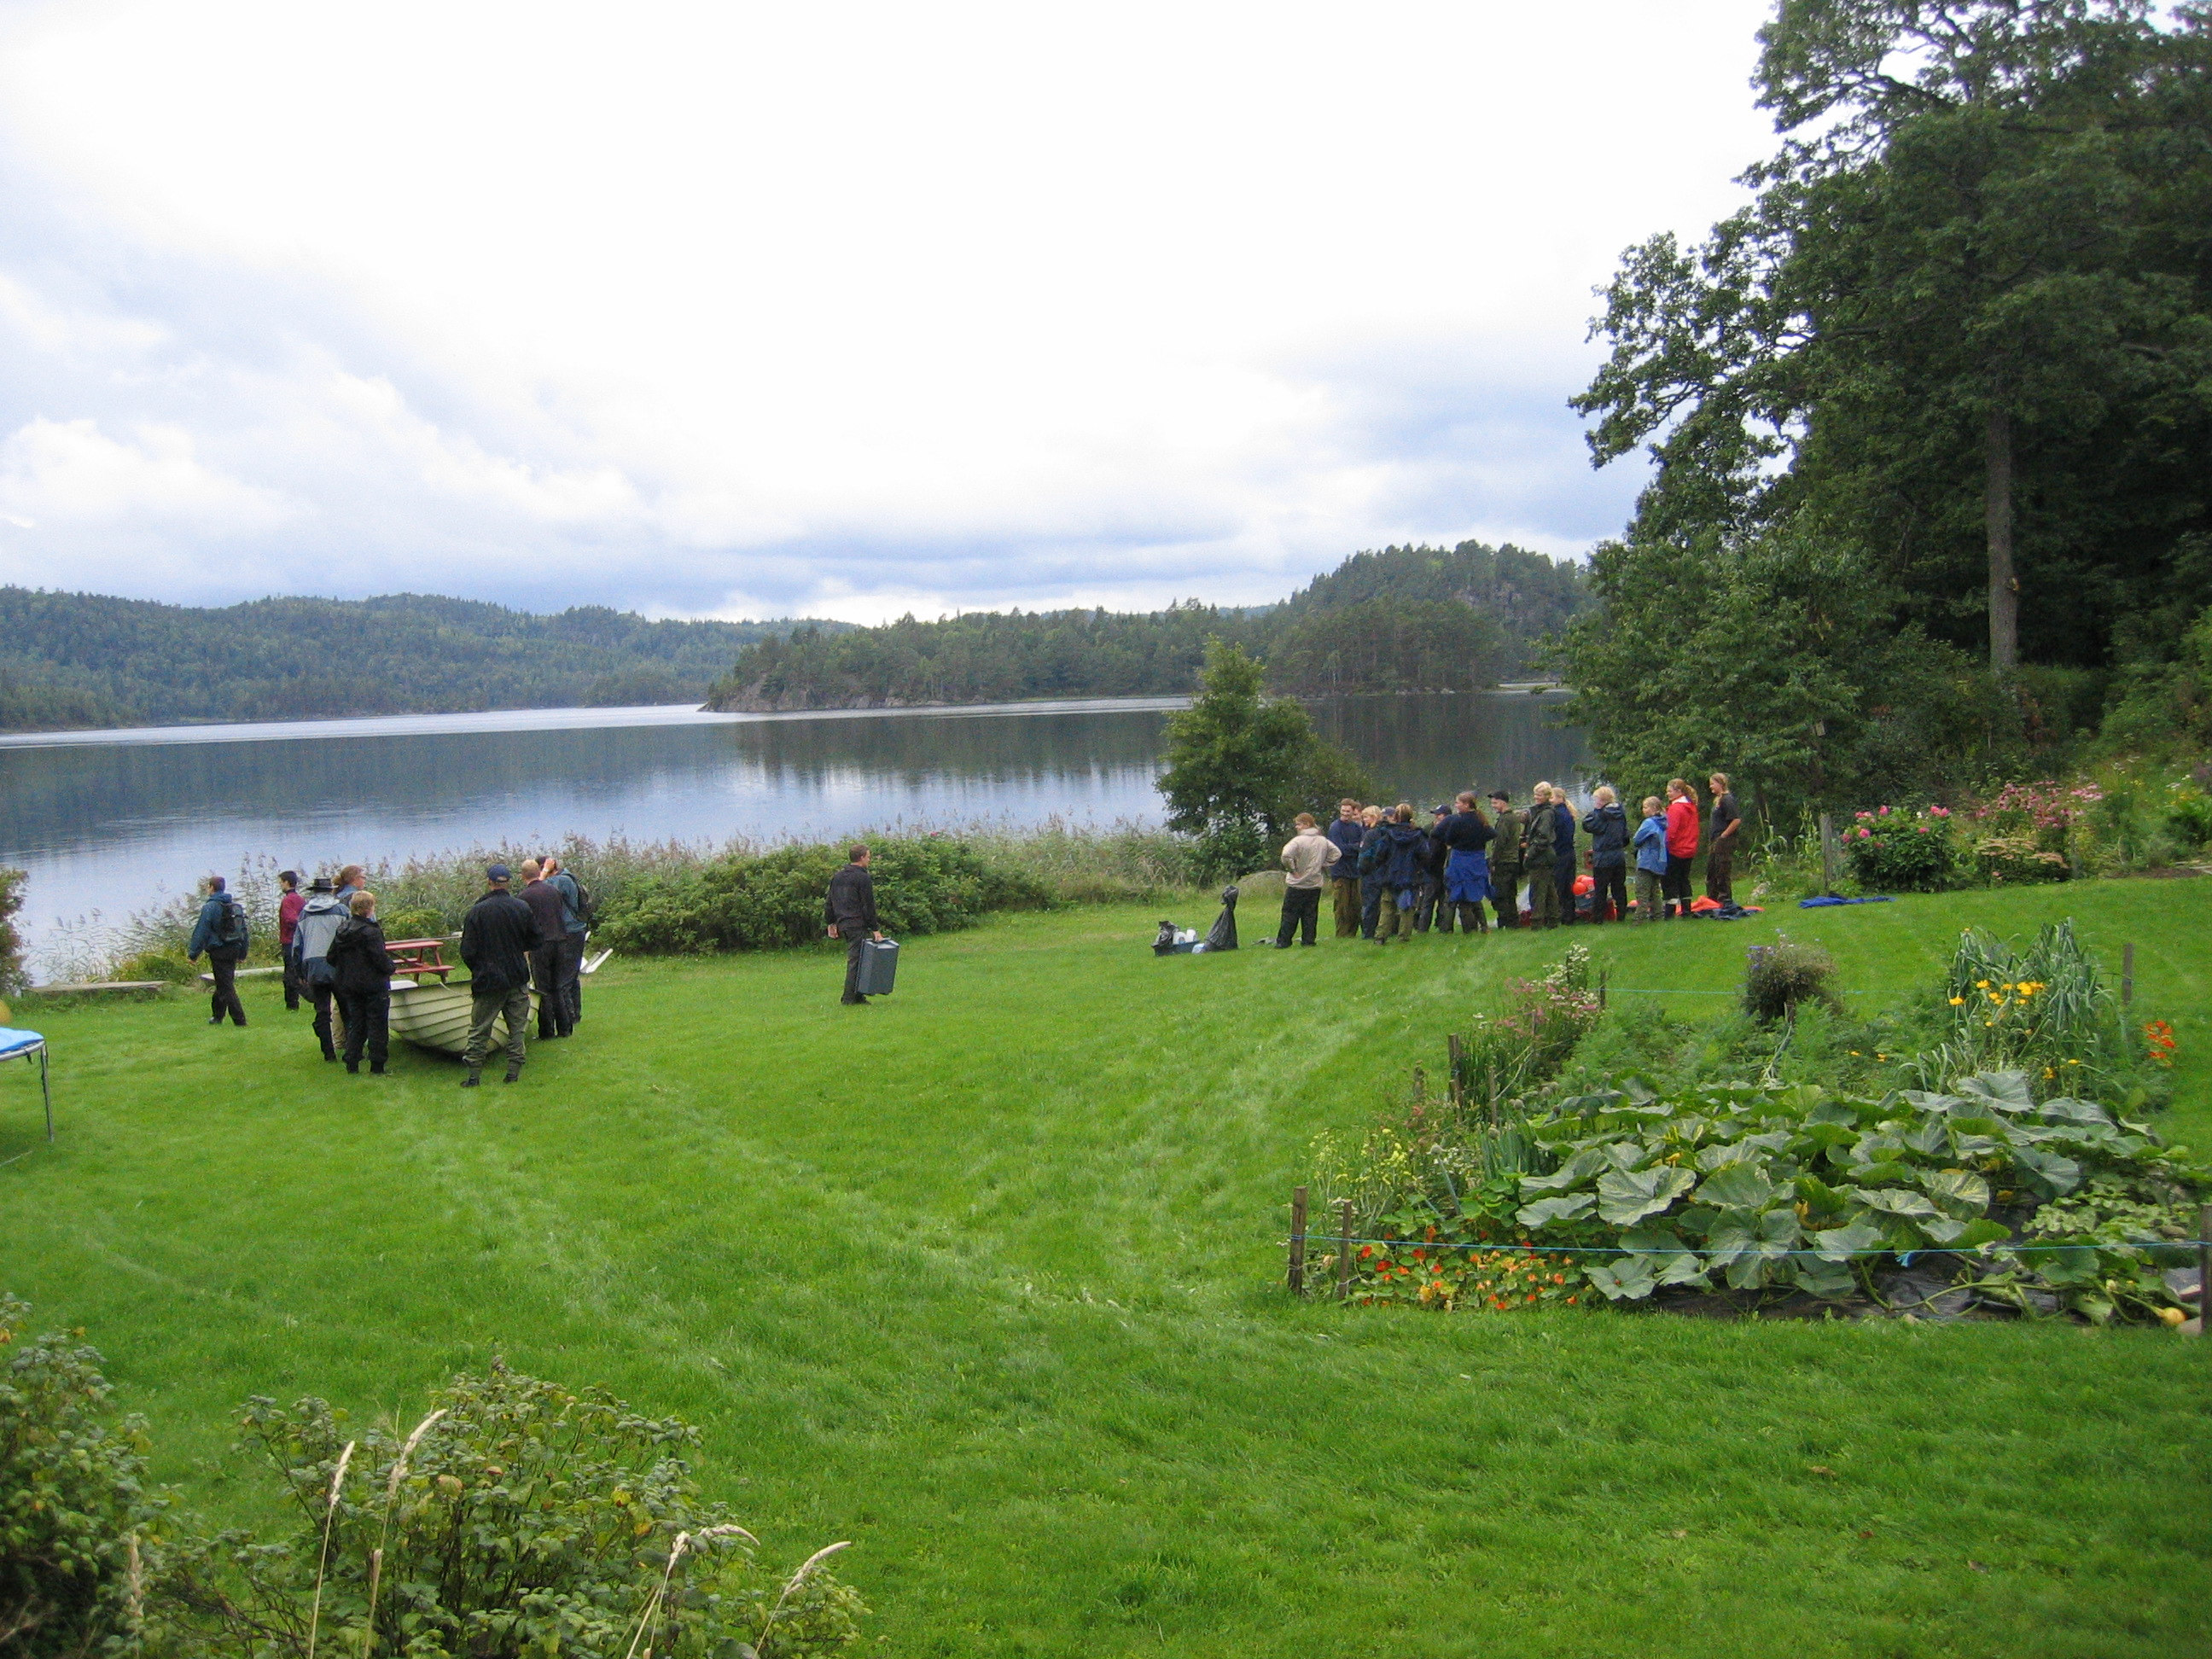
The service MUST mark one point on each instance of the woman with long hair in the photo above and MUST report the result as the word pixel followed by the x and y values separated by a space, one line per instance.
pixel 1681 846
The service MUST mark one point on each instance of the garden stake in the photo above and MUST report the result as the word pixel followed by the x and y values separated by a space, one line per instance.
pixel 1298 1242
pixel 2203 1262
pixel 1828 854
pixel 2127 973
pixel 1344 1255
pixel 1456 1059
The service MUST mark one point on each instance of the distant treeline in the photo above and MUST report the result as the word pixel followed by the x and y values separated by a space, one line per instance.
pixel 1404 619
pixel 69 660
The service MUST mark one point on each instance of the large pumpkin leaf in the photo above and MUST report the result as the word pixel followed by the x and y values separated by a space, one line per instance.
pixel 1828 1279
pixel 1580 1167
pixel 1961 1192
pixel 1672 1262
pixel 2081 1111
pixel 1624 1279
pixel 1545 1211
pixel 1627 1196
pixel 2006 1091
pixel 1842 1243
pixel 1738 1187
pixel 1898 1201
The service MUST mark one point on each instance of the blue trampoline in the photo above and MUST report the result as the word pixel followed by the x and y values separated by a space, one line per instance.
pixel 26 1046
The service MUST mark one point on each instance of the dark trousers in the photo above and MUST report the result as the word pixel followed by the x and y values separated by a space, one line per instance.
pixel 1344 898
pixel 225 998
pixel 1612 890
pixel 1562 878
pixel 1370 904
pixel 486 1009
pixel 367 1025
pixel 1505 894
pixel 1674 885
pixel 1301 911
pixel 1720 873
pixel 854 938
pixel 546 980
pixel 1429 907
pixel 292 986
pixel 321 997
pixel 570 972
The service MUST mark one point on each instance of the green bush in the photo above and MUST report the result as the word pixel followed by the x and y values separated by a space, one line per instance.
pixel 413 924
pixel 11 940
pixel 1893 850
pixel 77 1518
pixel 168 966
pixel 1781 976
pixel 758 902
pixel 521 1520
pixel 2018 861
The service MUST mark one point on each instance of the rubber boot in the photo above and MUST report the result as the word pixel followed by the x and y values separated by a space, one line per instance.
pixel 513 1074
pixel 474 1079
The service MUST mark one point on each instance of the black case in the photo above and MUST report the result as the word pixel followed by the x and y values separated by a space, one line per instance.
pixel 878 966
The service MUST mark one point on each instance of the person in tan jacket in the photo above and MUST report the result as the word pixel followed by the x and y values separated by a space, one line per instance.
pixel 1307 858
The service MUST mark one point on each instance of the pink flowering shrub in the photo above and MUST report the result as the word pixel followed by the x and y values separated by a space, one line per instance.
pixel 2045 813
pixel 1902 850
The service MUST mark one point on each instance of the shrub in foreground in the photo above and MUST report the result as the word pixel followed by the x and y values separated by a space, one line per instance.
pixel 521 1520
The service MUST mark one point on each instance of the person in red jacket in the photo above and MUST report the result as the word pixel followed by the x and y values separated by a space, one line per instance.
pixel 1681 846
pixel 287 924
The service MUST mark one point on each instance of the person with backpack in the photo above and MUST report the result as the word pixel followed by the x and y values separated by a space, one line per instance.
pixel 1608 825
pixel 319 919
pixel 1511 828
pixel 498 936
pixel 221 933
pixel 575 928
pixel 362 980
pixel 288 927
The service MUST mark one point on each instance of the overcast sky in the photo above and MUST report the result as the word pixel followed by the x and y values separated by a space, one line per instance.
pixel 840 309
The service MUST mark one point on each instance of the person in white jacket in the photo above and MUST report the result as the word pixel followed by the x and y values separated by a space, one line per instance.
pixel 1307 858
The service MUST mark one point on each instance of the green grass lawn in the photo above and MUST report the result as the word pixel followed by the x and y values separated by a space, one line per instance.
pixel 985 1278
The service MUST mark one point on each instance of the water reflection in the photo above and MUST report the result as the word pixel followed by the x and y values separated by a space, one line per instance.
pixel 118 824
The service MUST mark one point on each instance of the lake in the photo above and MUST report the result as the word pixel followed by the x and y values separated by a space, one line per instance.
pixel 110 823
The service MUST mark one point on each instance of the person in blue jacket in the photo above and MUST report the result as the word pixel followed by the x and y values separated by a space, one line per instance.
pixel 1402 865
pixel 1651 857
pixel 1608 832
pixel 221 933
pixel 1345 834
pixel 1563 852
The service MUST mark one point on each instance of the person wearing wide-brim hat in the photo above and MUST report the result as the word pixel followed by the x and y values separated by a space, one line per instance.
pixel 320 919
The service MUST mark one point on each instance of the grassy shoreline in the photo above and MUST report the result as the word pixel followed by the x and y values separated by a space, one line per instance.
pixel 984 1278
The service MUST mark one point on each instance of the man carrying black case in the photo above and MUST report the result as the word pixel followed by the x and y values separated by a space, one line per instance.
pixel 850 911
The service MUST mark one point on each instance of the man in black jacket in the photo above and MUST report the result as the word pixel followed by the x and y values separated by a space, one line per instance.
pixel 850 912
pixel 548 910
pixel 363 984
pixel 498 936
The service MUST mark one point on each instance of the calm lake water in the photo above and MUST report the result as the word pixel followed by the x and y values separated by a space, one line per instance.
pixel 110 823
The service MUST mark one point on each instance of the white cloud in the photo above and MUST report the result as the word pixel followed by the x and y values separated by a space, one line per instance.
pixel 72 472
pixel 685 306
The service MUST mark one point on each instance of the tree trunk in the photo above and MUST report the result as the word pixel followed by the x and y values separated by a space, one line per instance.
pixel 2004 586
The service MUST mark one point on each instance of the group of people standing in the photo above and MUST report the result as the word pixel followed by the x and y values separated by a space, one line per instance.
pixel 1392 879
pixel 333 954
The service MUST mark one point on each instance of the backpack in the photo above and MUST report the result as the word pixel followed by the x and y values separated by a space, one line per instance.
pixel 586 907
pixel 230 932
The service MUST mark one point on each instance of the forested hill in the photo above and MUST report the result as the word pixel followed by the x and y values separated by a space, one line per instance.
pixel 71 660
pixel 1404 619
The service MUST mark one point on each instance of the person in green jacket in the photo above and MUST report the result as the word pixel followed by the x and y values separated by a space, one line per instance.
pixel 1506 861
pixel 1537 845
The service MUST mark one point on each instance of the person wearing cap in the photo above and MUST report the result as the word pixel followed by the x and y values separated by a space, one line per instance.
pixel 320 919
pixel 498 936
pixel 288 927
pixel 1506 857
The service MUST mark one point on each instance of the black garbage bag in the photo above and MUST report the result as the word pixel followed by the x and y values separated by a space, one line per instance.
pixel 1221 936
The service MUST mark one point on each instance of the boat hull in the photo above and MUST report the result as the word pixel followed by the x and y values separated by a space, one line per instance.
pixel 435 1016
